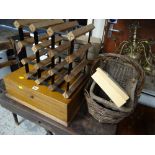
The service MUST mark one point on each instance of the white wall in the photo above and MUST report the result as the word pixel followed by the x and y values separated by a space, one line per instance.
pixel 99 27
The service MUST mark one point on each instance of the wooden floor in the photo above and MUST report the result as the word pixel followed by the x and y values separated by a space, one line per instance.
pixel 141 122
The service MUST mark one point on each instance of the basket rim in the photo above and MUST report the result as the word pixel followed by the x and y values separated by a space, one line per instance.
pixel 127 59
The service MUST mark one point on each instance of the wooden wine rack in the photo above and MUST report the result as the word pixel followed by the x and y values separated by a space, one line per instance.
pixel 63 70
pixel 54 45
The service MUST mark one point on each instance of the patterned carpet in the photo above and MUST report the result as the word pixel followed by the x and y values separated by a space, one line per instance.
pixel 8 126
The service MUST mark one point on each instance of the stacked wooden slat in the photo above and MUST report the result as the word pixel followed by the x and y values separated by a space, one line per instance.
pixel 41 41
pixel 56 47
pixel 8 44
pixel 30 40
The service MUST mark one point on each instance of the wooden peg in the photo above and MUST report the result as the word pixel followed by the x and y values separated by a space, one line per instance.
pixel 24 22
pixel 61 27
pixel 73 87
pixel 75 71
pixel 58 81
pixel 79 53
pixel 57 68
pixel 42 63
pixel 80 31
pixel 32 57
pixel 5 45
pixel 29 59
pixel 45 44
pixel 30 73
pixel 57 51
pixel 30 40
pixel 7 63
pixel 42 78
pixel 43 24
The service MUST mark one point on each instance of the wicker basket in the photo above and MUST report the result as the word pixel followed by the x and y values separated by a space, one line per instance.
pixel 128 74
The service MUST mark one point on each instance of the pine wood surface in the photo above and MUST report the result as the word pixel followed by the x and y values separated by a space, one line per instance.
pixel 50 102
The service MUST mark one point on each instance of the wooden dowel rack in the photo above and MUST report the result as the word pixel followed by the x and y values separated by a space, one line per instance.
pixel 60 66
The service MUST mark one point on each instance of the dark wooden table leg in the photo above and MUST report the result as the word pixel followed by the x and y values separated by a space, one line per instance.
pixel 49 132
pixel 15 118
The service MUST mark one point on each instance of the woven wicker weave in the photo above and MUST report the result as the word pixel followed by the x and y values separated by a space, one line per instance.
pixel 128 74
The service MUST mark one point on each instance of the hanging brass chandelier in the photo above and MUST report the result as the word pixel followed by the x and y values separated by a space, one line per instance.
pixel 139 50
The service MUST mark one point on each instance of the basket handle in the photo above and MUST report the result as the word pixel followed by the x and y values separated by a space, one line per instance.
pixel 129 60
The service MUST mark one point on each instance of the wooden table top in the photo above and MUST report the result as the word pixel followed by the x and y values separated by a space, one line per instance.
pixel 82 124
